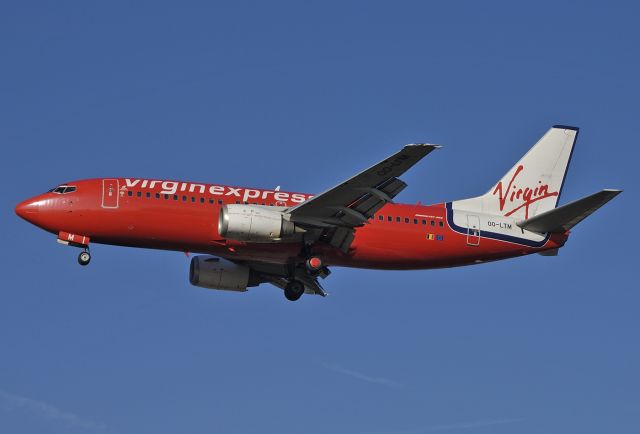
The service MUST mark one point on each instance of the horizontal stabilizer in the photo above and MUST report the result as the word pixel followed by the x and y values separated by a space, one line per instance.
pixel 563 218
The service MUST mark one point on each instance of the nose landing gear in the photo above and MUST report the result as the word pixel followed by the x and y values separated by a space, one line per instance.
pixel 75 240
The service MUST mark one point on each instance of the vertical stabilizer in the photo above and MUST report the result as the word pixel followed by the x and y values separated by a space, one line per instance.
pixel 534 184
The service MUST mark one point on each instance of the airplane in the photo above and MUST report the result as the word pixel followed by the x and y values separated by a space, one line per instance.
pixel 248 236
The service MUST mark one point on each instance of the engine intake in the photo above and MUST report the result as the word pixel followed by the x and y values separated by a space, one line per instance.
pixel 217 273
pixel 254 223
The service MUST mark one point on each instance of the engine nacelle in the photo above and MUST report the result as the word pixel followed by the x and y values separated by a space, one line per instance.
pixel 254 223
pixel 217 273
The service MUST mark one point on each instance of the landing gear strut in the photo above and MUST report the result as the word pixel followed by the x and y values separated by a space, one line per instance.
pixel 84 257
pixel 294 290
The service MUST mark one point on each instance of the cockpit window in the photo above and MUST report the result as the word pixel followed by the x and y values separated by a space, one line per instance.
pixel 63 189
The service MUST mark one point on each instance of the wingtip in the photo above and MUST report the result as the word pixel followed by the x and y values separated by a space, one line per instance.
pixel 426 145
pixel 566 127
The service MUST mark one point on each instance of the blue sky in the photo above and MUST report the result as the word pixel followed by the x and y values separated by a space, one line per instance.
pixel 304 95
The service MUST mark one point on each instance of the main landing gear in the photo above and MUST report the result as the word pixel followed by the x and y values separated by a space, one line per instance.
pixel 312 268
pixel 84 257
pixel 294 290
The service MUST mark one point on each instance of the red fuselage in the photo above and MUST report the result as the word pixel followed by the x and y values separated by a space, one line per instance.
pixel 184 217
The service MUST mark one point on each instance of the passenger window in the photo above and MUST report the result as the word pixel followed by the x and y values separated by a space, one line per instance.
pixel 130 193
pixel 219 201
pixel 424 222
pixel 166 196
pixel 406 220
pixel 380 217
pixel 175 197
pixel 389 218
pixel 193 198
pixel 157 195
pixel 211 201
pixel 148 194
pixel 139 194
pixel 184 198
pixel 433 223
pixel 441 223
pixel 415 221
pixel 202 200
pixel 398 219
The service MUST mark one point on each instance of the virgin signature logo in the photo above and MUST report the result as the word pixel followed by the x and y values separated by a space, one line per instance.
pixel 521 197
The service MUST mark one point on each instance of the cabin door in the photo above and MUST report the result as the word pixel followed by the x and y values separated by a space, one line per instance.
pixel 473 230
pixel 110 191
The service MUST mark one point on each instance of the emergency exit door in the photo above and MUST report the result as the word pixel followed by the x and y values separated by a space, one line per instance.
pixel 110 190
pixel 473 230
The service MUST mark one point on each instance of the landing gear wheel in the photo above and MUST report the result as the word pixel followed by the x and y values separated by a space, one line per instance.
pixel 294 290
pixel 84 258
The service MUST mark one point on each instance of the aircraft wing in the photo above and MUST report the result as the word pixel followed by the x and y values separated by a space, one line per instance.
pixel 351 203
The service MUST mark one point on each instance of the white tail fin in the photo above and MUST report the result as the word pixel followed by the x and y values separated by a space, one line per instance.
pixel 534 184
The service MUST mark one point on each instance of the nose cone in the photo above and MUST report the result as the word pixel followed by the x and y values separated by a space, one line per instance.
pixel 46 212
pixel 28 209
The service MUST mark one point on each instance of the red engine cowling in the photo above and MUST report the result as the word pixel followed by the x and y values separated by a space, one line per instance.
pixel 218 273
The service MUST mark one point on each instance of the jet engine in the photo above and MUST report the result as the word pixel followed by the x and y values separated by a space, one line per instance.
pixel 254 223
pixel 217 273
